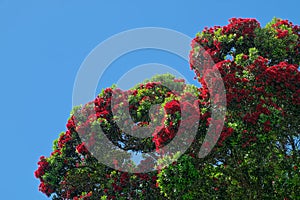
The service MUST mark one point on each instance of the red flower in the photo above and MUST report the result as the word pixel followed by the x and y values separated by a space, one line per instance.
pixel 103 113
pixel 55 152
pixel 224 135
pixel 172 106
pixel 267 126
pixel 135 92
pixel 46 189
pixel 71 123
pixel 43 165
pixel 64 139
pixel 81 148
pixel 282 33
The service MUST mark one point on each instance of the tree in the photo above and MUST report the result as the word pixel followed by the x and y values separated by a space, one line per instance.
pixel 257 154
pixel 73 172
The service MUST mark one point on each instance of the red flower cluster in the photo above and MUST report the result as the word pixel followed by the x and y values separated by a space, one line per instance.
pixel 162 136
pixel 71 123
pixel 281 27
pixel 285 79
pixel 282 33
pixel 251 117
pixel 82 149
pixel 281 80
pixel 102 105
pixel 43 165
pixel 227 132
pixel 240 26
pixel 172 106
pixel 280 22
pixel 63 139
pixel 46 189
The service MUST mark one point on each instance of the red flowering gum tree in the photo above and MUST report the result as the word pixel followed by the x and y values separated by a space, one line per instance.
pixel 256 156
pixel 258 153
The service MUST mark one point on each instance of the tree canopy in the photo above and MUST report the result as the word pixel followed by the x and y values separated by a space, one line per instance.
pixel 256 156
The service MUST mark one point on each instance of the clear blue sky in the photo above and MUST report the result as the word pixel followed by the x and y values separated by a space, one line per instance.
pixel 43 43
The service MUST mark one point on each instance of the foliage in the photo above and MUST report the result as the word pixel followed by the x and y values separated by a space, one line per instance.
pixel 257 154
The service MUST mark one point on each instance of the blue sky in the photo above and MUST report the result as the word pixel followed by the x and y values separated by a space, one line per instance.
pixel 43 43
